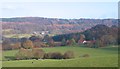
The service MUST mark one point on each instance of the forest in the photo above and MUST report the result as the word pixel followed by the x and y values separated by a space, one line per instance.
pixel 28 25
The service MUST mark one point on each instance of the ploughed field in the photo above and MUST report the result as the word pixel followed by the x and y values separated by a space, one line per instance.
pixel 98 57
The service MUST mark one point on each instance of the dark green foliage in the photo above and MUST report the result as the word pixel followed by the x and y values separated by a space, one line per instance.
pixel 23 39
pixel 53 55
pixel 56 55
pixel 98 31
pixel 35 38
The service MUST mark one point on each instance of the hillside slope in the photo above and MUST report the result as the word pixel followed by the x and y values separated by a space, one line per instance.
pixel 53 25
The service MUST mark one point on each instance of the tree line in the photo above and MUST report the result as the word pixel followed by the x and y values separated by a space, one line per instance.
pixel 26 25
pixel 97 36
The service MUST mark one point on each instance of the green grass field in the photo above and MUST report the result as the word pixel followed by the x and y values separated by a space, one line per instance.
pixel 0 62
pixel 99 57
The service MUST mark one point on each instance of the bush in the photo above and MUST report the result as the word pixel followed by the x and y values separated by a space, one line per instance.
pixel 27 44
pixel 48 55
pixel 58 55
pixel 68 55
pixel 38 53
pixel 45 56
pixel 24 54
pixel 30 54
pixel 54 55
pixel 16 45
pixel 86 55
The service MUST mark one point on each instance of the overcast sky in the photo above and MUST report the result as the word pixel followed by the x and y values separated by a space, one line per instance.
pixel 61 9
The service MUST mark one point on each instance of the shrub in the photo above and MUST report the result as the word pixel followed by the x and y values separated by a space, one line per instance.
pixel 29 54
pixel 68 55
pixel 86 55
pixel 27 44
pixel 48 55
pixel 24 54
pixel 56 55
pixel 16 45
pixel 38 53
pixel 45 56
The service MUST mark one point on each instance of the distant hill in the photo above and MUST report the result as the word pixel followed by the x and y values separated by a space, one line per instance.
pixel 97 32
pixel 53 25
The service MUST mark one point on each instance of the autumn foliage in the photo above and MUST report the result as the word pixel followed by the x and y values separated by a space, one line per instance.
pixel 27 44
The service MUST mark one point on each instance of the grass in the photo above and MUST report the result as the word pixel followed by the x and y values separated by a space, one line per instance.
pixel 0 55
pixel 78 62
pixel 99 57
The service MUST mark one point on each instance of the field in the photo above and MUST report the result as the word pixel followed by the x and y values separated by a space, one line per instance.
pixel 99 57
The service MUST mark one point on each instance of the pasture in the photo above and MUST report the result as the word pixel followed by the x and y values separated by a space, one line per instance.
pixel 98 57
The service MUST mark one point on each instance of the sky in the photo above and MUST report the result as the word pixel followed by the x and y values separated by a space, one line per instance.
pixel 65 10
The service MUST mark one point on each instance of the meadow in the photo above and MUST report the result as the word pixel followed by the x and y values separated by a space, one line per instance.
pixel 98 57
